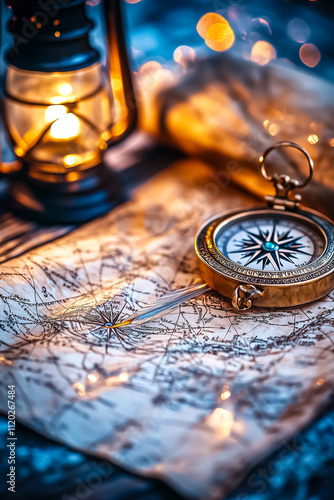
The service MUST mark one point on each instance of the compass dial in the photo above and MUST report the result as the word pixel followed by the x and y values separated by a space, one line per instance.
pixel 270 243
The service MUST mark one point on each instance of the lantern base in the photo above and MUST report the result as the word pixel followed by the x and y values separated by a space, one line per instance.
pixel 70 198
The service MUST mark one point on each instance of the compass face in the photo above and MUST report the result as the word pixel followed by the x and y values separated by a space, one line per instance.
pixel 270 243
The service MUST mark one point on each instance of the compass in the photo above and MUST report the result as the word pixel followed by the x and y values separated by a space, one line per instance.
pixel 280 255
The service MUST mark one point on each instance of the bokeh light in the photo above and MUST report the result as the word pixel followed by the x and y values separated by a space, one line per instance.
pixel 313 139
pixel 184 54
pixel 262 22
pixel 262 52
pixel 220 37
pixel 208 20
pixel 298 30
pixel 273 129
pixel 309 54
pixel 153 75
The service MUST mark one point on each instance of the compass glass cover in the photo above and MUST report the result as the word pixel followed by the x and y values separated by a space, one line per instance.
pixel 269 243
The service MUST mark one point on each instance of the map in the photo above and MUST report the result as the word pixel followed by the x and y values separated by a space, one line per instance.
pixel 196 397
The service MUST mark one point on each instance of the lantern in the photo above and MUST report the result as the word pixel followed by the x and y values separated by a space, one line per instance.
pixel 64 105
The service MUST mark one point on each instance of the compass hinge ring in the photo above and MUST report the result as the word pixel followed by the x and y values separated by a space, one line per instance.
pixel 244 295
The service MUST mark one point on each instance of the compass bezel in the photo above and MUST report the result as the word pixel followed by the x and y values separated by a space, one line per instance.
pixel 295 286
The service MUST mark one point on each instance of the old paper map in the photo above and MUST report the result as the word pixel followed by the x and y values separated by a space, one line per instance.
pixel 196 397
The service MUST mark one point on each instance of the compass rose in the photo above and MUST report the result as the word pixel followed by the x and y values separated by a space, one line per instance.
pixel 270 248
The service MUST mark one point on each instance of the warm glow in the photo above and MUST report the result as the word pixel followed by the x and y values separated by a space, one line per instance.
pixel 150 68
pixel 117 85
pixel 208 20
pixel 119 128
pixel 132 1
pixel 163 76
pixel 331 142
pixel 154 75
pixel 57 100
pixel 220 37
pixel 72 176
pixel 222 421
pixel 70 160
pixel 183 54
pixel 65 89
pixel 57 34
pixel 124 377
pixel 52 113
pixel 93 377
pixel 273 129
pixel 4 360
pixel 320 381
pixel 79 388
pixel 106 135
pixel 66 127
pixel 309 54
pixel 116 380
pixel 313 138
pixel 19 151
pixel 262 52
pixel 225 395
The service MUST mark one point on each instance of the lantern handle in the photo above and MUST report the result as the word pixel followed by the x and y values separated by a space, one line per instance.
pixel 120 72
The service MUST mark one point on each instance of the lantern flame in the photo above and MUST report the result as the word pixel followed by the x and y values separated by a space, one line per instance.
pixel 65 127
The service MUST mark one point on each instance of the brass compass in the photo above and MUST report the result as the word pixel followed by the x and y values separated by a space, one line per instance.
pixel 279 255
pixel 275 256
